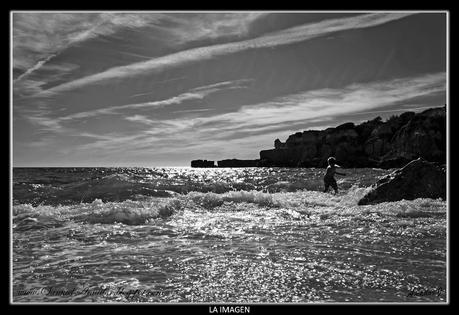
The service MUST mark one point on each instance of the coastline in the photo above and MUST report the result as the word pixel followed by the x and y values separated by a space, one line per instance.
pixel 374 144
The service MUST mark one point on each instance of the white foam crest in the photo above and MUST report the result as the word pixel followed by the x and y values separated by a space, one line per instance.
pixel 297 199
pixel 354 194
pixel 309 202
pixel 212 200
pixel 421 207
pixel 28 210
pixel 127 212
pixel 257 197
pixel 132 212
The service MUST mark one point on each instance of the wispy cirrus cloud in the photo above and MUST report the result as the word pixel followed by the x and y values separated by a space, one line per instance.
pixel 40 37
pixel 109 88
pixel 283 37
pixel 193 110
pixel 38 65
pixel 43 119
pixel 201 26
pixel 140 118
pixel 317 108
pixel 192 94
pixel 252 127
pixel 325 103
pixel 51 73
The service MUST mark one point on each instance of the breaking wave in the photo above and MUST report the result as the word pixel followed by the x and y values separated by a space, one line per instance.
pixel 142 211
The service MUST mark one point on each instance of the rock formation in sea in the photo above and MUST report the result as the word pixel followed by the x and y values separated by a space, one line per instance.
pixel 238 163
pixel 374 143
pixel 417 179
pixel 202 163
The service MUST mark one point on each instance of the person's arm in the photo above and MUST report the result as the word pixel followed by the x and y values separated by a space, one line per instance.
pixel 338 173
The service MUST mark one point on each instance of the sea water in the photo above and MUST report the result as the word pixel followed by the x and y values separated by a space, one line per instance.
pixel 255 235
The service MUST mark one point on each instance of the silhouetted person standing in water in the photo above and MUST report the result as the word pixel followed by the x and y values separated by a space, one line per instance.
pixel 329 178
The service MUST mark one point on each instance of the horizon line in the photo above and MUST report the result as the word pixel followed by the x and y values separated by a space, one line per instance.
pixel 189 166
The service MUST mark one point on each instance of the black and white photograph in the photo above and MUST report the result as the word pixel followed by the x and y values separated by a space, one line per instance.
pixel 229 158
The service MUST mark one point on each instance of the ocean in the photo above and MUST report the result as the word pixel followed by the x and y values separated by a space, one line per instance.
pixel 234 235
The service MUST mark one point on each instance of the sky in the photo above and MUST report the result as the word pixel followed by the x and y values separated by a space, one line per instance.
pixel 164 88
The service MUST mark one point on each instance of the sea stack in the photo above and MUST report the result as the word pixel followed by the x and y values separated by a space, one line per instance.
pixel 202 163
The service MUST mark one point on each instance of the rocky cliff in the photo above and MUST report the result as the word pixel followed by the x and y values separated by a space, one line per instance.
pixel 374 143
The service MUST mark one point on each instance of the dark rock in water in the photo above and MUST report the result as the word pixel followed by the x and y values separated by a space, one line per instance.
pixel 202 163
pixel 417 179
pixel 237 163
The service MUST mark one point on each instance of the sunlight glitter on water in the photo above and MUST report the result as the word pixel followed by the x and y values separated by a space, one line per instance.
pixel 234 246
